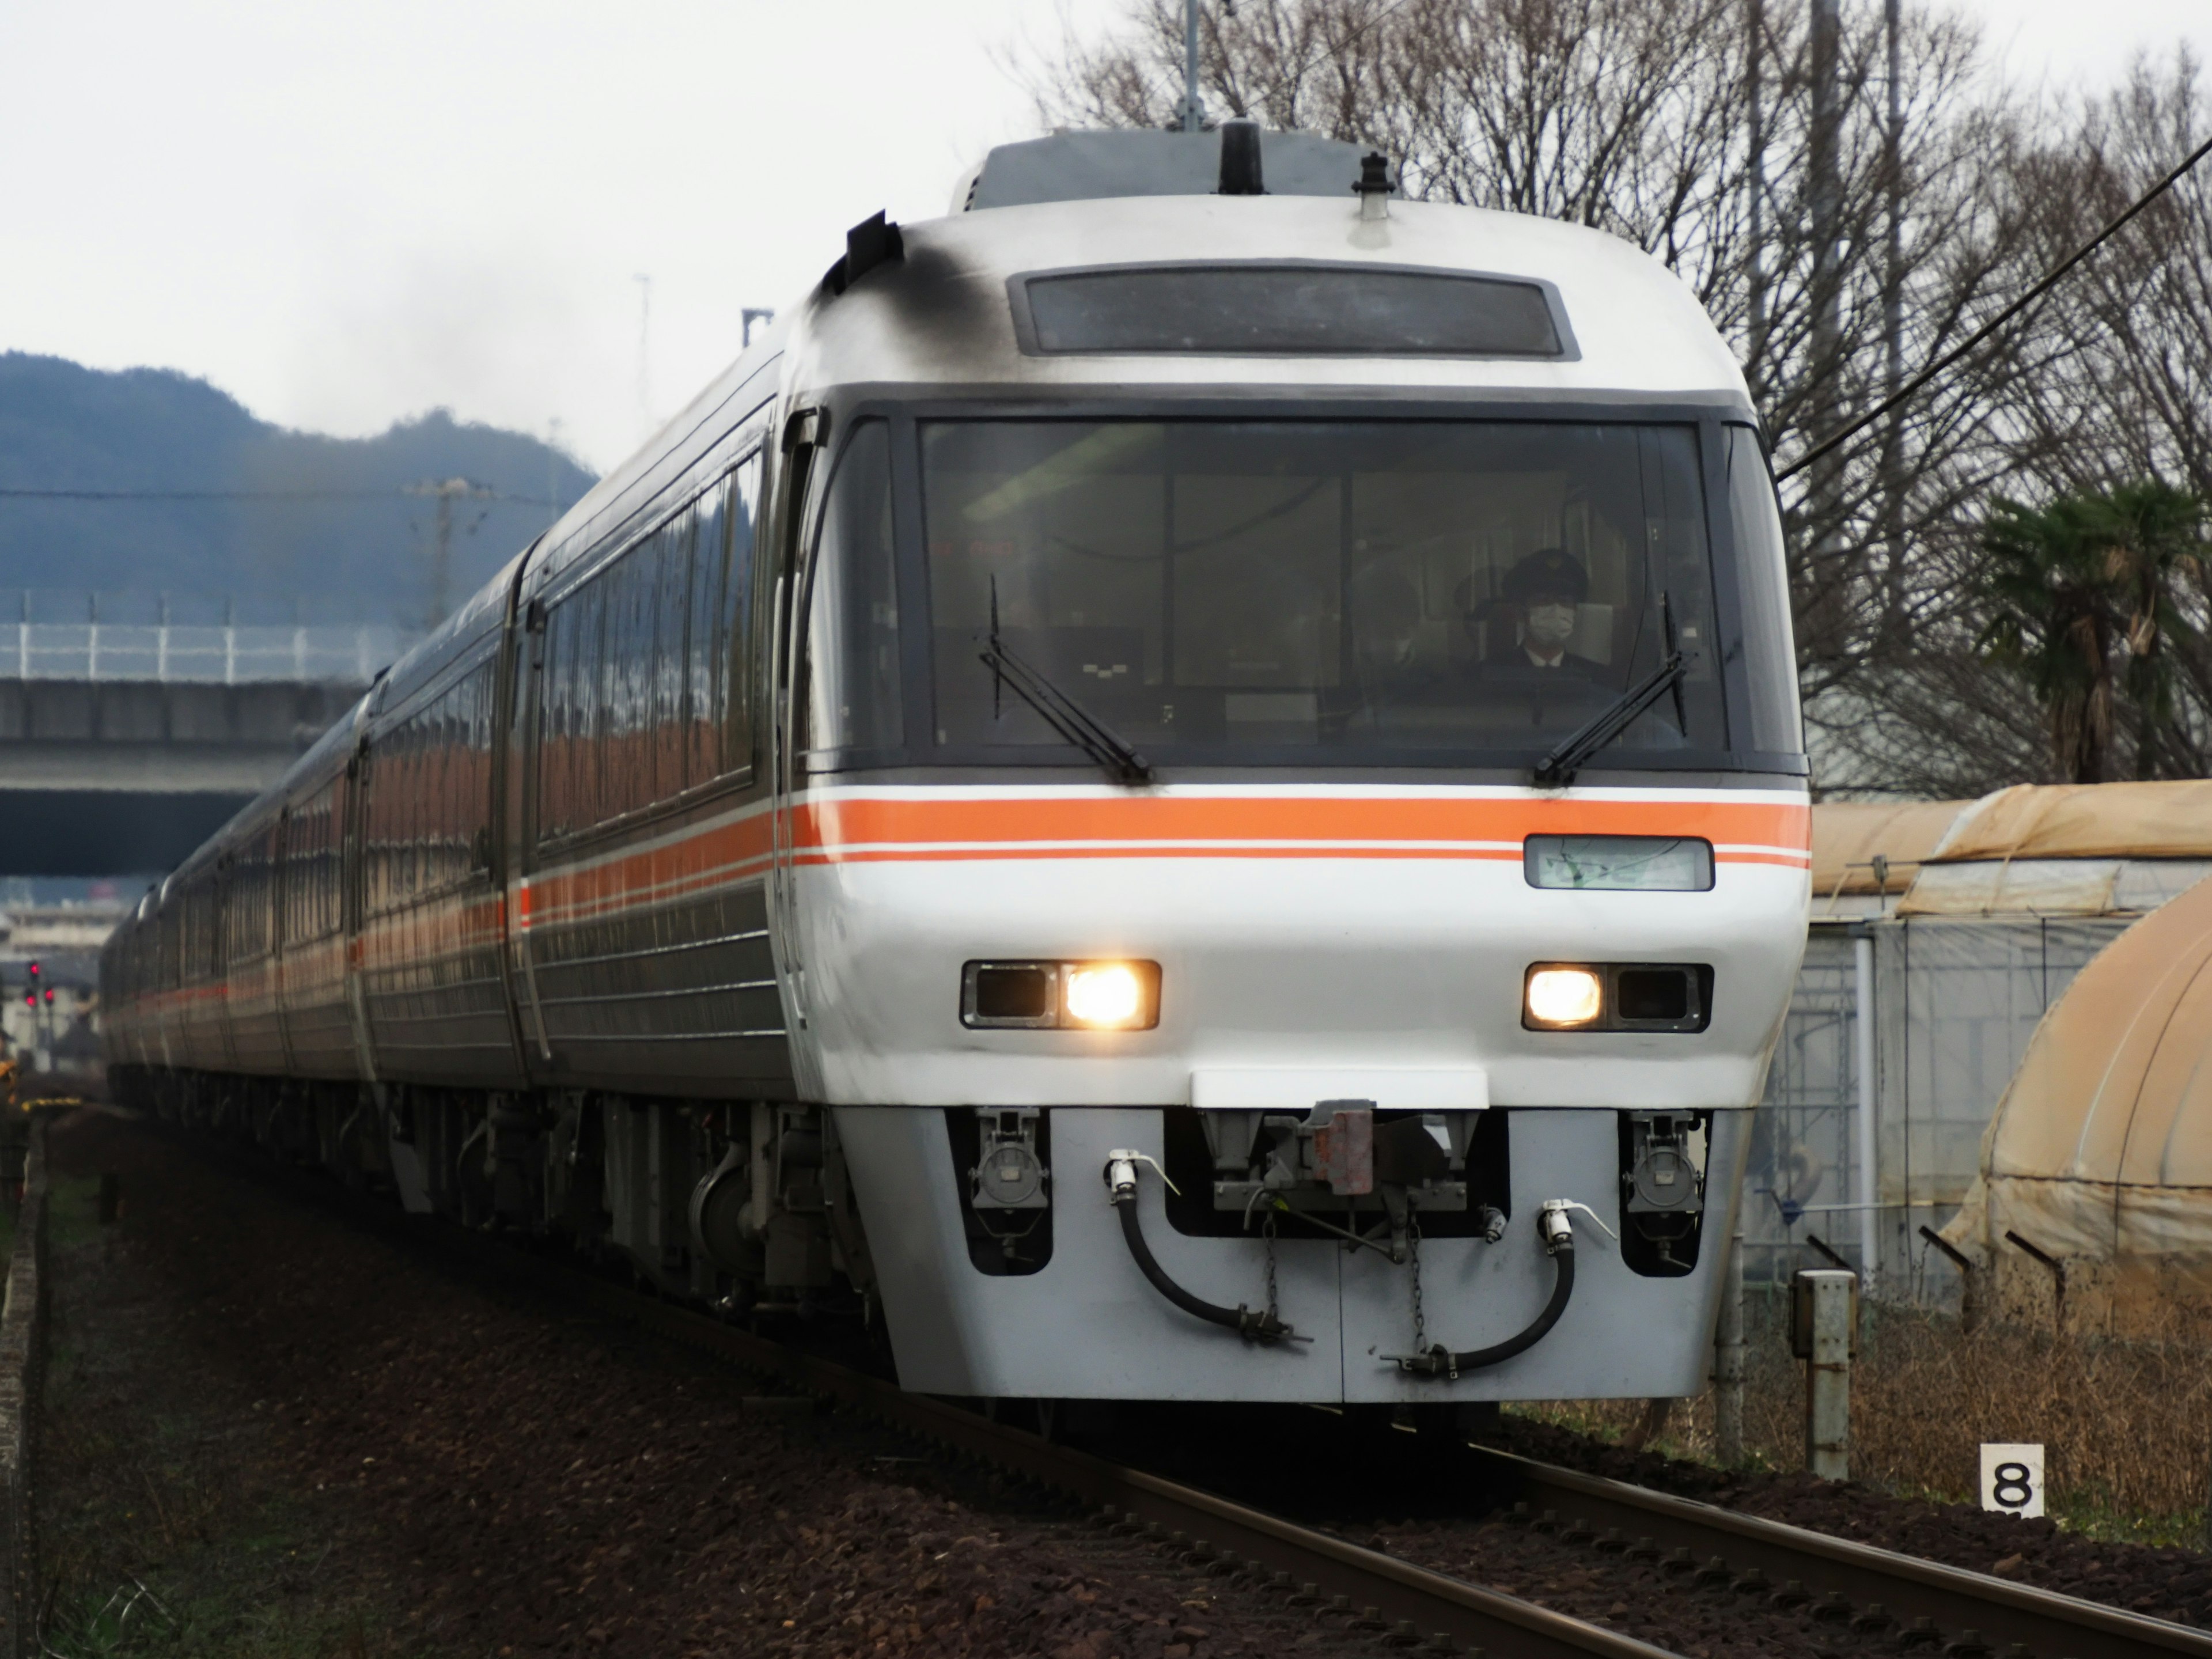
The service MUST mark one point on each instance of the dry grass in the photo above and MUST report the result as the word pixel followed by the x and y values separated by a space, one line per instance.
pixel 165 1525
pixel 2126 1422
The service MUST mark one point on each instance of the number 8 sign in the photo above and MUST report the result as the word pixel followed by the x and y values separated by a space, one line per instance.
pixel 2012 1478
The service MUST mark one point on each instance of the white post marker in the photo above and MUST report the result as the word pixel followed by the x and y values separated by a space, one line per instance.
pixel 2012 1478
pixel 1830 1296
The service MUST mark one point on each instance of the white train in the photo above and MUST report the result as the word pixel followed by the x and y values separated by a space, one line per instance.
pixel 1185 784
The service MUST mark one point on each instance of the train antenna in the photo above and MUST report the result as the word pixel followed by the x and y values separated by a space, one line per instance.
pixel 1904 393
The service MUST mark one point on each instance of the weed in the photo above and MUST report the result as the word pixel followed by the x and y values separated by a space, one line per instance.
pixel 2125 1421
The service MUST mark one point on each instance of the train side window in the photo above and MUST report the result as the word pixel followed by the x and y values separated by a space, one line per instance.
pixel 556 760
pixel 698 740
pixel 645 693
pixel 626 721
pixel 310 874
pixel 381 778
pixel 675 548
pixel 718 698
pixel 569 771
pixel 851 679
pixel 429 796
pixel 1770 656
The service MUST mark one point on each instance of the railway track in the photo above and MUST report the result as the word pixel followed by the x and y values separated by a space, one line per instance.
pixel 1916 1603
pixel 1889 1601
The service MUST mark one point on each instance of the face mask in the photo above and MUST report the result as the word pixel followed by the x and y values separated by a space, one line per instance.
pixel 1551 625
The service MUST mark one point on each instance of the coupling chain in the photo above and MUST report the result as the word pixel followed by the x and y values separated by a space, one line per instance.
pixel 1413 1257
pixel 1268 1233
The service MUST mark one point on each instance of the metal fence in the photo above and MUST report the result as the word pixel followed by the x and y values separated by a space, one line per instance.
pixel 217 639
pixel 1955 1002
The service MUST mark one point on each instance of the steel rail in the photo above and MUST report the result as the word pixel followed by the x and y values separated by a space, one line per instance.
pixel 1953 1600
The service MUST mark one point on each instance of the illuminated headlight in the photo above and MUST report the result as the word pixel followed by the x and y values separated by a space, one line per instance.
pixel 1102 995
pixel 1091 996
pixel 1618 996
pixel 1562 998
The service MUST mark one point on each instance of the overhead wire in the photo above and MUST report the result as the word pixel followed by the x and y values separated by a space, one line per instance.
pixel 1904 393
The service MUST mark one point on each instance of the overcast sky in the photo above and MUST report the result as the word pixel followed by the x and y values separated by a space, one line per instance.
pixel 344 215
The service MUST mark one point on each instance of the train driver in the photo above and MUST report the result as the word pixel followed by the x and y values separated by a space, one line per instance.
pixel 1547 586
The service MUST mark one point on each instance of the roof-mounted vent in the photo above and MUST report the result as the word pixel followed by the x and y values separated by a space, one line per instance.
pixel 871 243
pixel 1240 158
pixel 1090 167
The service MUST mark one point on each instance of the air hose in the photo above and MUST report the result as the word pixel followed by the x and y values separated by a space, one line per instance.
pixel 1559 1239
pixel 1121 1188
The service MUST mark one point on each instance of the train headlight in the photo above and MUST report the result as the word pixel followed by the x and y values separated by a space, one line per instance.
pixel 1562 998
pixel 1102 995
pixel 1088 996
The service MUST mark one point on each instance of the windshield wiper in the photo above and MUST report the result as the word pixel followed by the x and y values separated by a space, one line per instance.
pixel 1062 712
pixel 1558 768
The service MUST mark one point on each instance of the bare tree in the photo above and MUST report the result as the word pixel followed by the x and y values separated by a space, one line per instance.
pixel 1835 226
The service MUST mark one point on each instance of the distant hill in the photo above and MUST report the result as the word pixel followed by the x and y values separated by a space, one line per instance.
pixel 356 550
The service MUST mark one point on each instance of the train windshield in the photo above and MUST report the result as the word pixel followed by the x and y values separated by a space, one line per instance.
pixel 1367 588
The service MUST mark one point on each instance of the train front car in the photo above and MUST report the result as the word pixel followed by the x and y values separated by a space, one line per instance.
pixel 1294 847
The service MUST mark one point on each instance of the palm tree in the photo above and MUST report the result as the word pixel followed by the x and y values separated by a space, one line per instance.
pixel 2081 601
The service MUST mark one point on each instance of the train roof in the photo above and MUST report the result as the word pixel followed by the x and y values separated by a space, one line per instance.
pixel 945 314
pixel 942 315
pixel 1084 166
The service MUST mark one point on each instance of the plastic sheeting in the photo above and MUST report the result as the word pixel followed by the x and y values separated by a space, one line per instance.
pixel 2102 1149
pixel 2170 820
pixel 2043 887
pixel 2050 887
pixel 2043 850
pixel 1849 836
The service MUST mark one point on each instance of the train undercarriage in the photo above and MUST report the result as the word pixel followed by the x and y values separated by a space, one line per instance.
pixel 745 1208
pixel 754 1209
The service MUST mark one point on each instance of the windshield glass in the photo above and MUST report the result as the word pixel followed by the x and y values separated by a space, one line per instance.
pixel 1366 586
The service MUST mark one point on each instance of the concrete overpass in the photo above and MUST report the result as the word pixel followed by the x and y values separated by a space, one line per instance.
pixel 122 745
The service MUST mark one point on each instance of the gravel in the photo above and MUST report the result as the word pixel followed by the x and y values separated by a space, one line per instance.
pixel 508 1478
pixel 514 1480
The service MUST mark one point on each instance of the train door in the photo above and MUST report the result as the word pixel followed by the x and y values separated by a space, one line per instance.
pixel 522 652
pixel 806 441
pixel 221 896
pixel 517 832
pixel 280 889
pixel 350 826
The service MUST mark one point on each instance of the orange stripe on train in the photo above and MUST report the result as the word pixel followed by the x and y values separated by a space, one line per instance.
pixel 880 828
pixel 876 821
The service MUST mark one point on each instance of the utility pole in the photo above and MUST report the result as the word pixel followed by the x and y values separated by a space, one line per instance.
pixel 445 495
pixel 1755 188
pixel 1823 191
pixel 1892 329
pixel 1728 1361
pixel 1193 112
